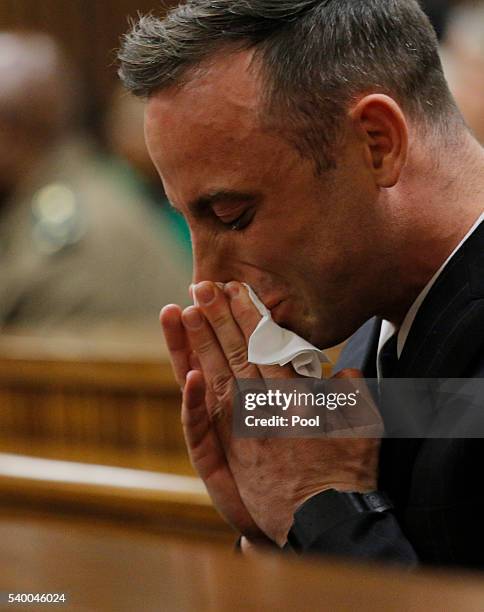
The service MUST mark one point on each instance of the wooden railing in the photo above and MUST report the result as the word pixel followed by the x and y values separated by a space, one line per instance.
pixel 92 426
pixel 149 500
pixel 89 398
pixel 81 397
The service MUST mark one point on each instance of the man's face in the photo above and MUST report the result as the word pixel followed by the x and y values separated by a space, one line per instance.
pixel 257 211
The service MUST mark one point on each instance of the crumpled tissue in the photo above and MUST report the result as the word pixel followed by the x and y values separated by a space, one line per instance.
pixel 271 344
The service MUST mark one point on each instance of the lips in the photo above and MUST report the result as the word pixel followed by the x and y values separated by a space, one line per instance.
pixel 278 312
pixel 272 304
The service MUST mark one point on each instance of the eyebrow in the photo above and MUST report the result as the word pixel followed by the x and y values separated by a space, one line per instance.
pixel 202 203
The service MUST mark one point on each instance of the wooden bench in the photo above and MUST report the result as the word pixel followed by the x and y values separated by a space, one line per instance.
pixel 106 569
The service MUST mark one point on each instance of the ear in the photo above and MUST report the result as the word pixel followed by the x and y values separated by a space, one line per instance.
pixel 381 127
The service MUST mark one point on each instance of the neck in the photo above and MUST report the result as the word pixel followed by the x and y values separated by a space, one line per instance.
pixel 436 203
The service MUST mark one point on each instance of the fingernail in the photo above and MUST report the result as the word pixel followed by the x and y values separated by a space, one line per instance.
pixel 192 318
pixel 232 290
pixel 205 293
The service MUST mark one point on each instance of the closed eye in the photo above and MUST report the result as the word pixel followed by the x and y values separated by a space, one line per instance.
pixel 240 222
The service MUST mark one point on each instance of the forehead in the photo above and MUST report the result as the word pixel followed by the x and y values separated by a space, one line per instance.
pixel 219 95
pixel 209 129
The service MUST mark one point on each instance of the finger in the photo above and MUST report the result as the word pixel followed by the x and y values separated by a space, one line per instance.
pixel 220 416
pixel 176 341
pixel 214 366
pixel 243 309
pixel 216 308
pixel 204 448
pixel 208 356
pixel 211 402
pixel 221 385
pixel 217 415
pixel 194 416
pixel 208 457
pixel 248 317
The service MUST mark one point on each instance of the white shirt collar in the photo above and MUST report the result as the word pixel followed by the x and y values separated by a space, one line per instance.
pixel 388 329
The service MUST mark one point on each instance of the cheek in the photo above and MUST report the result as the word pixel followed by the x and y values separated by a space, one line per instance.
pixel 278 248
pixel 282 231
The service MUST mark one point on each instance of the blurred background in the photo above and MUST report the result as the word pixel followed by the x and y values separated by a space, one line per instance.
pixel 87 237
pixel 89 252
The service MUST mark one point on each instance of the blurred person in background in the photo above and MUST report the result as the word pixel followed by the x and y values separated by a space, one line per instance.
pixel 462 54
pixel 75 247
pixel 131 164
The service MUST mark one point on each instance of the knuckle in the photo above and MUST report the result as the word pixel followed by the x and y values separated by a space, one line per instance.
pixel 220 319
pixel 204 347
pixel 221 384
pixel 217 412
pixel 237 357
pixel 247 321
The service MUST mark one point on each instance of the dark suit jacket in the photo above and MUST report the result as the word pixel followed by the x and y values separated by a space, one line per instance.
pixel 435 484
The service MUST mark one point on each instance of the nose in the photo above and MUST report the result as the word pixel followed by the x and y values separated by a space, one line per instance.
pixel 210 262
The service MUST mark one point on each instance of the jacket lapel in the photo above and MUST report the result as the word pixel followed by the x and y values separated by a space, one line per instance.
pixel 444 341
pixel 448 331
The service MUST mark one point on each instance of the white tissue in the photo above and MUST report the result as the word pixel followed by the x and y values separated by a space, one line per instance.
pixel 271 344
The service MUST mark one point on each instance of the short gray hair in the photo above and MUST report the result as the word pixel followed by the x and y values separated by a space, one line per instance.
pixel 316 56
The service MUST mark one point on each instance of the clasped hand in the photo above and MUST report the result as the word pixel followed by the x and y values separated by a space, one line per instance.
pixel 256 485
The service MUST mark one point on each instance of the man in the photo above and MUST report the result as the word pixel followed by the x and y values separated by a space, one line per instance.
pixel 317 155
pixel 76 249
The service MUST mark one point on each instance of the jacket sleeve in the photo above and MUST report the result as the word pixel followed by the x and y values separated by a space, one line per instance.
pixel 368 535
